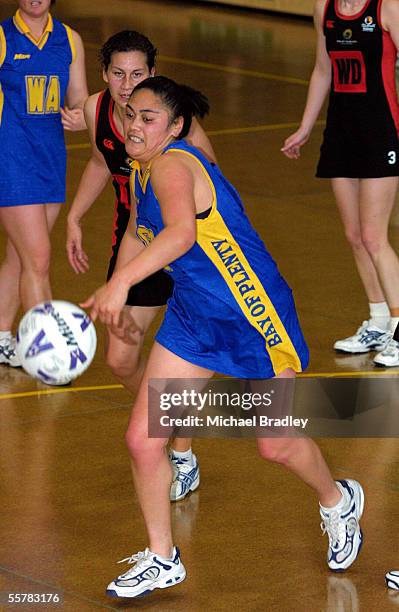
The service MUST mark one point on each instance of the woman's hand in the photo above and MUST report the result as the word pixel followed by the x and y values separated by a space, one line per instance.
pixel 293 143
pixel 76 255
pixel 108 301
pixel 73 119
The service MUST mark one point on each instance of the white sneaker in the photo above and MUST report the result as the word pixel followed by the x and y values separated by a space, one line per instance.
pixel 8 354
pixel 367 338
pixel 150 571
pixel 186 477
pixel 389 357
pixel 345 537
pixel 392 579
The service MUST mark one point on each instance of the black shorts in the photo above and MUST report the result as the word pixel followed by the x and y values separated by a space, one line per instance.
pixel 152 291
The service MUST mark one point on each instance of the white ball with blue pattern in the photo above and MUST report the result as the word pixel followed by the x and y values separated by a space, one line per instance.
pixel 56 342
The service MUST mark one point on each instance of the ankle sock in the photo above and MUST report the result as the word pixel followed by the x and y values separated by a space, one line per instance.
pixel 186 456
pixel 340 505
pixel 380 315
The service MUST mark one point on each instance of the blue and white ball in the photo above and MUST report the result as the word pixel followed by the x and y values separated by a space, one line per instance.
pixel 56 342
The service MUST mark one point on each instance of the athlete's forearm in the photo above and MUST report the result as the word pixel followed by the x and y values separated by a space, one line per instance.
pixel 129 249
pixel 319 87
pixel 91 185
pixel 170 244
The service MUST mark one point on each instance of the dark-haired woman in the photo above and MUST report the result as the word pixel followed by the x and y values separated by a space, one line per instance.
pixel 41 71
pixel 357 45
pixel 127 58
pixel 230 312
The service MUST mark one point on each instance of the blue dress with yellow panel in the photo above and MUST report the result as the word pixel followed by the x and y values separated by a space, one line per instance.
pixel 231 310
pixel 34 77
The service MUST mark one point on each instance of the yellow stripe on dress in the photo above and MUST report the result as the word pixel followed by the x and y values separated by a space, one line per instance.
pixel 217 242
pixel 71 41
pixel 3 46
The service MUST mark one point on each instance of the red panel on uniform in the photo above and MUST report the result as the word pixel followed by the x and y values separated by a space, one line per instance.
pixel 349 71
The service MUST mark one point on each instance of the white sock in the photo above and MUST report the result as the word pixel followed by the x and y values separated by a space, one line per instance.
pixel 343 502
pixel 393 324
pixel 379 314
pixel 5 334
pixel 186 456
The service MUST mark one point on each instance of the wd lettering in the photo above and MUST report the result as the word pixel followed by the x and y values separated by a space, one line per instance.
pixel 349 71
pixel 42 95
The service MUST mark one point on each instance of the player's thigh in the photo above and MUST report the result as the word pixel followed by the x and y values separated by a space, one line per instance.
pixel 27 228
pixel 162 365
pixel 52 212
pixel 346 193
pixel 134 323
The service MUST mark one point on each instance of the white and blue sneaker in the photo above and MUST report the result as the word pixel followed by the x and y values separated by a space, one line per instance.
pixel 8 353
pixel 150 572
pixel 367 338
pixel 186 477
pixel 392 579
pixel 345 537
pixel 389 357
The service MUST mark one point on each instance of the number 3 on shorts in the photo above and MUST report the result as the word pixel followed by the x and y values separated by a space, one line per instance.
pixel 391 157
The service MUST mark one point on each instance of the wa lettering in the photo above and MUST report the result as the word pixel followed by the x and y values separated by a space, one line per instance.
pixel 42 95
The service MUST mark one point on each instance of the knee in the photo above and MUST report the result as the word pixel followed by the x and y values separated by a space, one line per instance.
pixel 122 366
pixel 278 451
pixel 142 449
pixel 354 238
pixel 373 242
pixel 38 262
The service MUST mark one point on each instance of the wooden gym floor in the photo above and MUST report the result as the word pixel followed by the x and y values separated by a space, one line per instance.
pixel 250 535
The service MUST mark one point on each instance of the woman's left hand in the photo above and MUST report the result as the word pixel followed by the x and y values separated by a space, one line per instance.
pixel 107 302
pixel 73 119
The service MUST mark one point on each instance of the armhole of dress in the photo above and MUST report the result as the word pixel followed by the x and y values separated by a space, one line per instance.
pixel 379 15
pixel 3 46
pixel 98 108
pixel 132 180
pixel 213 206
pixel 325 12
pixel 71 42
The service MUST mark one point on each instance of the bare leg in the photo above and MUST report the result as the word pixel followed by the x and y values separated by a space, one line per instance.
pixel 10 270
pixel 346 192
pixel 302 457
pixel 377 198
pixel 124 353
pixel 124 345
pixel 151 469
pixel 28 228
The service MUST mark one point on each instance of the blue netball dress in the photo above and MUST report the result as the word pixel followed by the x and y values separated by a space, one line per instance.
pixel 231 311
pixel 33 81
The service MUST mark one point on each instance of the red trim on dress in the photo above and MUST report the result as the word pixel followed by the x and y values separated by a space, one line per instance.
pixel 388 62
pixel 325 12
pixel 350 17
pixel 112 122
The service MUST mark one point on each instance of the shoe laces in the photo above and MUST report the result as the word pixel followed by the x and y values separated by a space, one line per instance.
pixel 335 528
pixel 138 560
pixel 363 327
pixel 391 348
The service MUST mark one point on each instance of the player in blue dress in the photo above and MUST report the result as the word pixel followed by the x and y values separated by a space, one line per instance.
pixel 42 73
pixel 231 311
